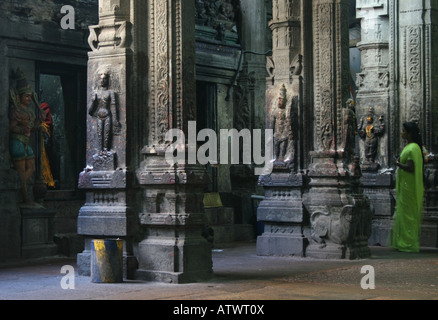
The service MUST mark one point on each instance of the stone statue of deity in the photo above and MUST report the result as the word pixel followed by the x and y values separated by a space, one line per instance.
pixel 283 135
pixel 350 128
pixel 104 107
pixel 370 133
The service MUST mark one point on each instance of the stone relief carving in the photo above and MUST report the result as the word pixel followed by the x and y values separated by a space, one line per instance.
pixel 243 112
pixel 329 226
pixel 370 133
pixel 413 65
pixel 324 70
pixel 212 13
pixel 159 73
pixel 282 124
pixel 270 68
pixel 342 226
pixel 104 107
pixel 350 128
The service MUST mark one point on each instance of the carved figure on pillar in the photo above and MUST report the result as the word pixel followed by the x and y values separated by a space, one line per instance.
pixel 370 133
pixel 350 128
pixel 327 139
pixel 104 107
pixel 283 135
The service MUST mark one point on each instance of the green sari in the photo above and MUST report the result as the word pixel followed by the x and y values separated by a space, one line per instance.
pixel 405 234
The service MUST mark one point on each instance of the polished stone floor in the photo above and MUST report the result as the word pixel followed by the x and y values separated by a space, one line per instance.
pixel 239 274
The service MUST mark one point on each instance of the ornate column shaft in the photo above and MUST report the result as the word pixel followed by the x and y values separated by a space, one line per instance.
pixel 248 98
pixel 171 213
pixel 340 216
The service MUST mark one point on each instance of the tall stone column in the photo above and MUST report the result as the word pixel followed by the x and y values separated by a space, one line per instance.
pixel 282 209
pixel 250 97
pixel 340 214
pixel 418 84
pixel 417 29
pixel 171 193
pixel 108 211
pixel 376 111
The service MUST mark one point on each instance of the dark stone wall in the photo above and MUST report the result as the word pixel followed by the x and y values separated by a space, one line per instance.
pixel 31 35
pixel 36 12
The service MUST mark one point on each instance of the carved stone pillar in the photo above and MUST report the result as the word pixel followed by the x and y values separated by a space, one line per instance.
pixel 249 97
pixel 282 210
pixel 376 111
pixel 340 214
pixel 417 29
pixel 171 194
pixel 107 212
pixel 418 84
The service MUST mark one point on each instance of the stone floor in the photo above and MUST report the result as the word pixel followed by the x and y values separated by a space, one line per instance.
pixel 239 274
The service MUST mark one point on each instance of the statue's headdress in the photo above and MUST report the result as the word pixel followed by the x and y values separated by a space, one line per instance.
pixel 283 92
pixel 22 85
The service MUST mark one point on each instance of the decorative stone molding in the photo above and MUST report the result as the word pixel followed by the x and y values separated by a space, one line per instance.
pixel 115 36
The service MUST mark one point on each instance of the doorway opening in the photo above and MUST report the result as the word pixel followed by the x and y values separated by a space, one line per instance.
pixel 62 91
pixel 206 119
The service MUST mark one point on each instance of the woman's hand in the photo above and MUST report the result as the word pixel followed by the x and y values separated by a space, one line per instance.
pixel 409 166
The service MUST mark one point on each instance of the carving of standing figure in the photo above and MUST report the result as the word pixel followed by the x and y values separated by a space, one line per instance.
pixel 282 128
pixel 350 127
pixel 370 133
pixel 103 106
pixel 327 136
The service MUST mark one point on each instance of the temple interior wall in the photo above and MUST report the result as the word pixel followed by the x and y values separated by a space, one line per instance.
pixel 387 74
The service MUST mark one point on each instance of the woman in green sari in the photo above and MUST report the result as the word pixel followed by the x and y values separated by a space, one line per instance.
pixel 405 234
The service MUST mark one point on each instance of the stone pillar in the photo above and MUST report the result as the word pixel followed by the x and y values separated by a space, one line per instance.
pixel 171 193
pixel 376 111
pixel 249 99
pixel 340 214
pixel 429 229
pixel 253 75
pixel 417 48
pixel 417 29
pixel 282 210
pixel 108 211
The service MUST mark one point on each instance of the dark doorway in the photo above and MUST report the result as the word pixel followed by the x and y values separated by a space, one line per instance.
pixel 206 119
pixel 63 88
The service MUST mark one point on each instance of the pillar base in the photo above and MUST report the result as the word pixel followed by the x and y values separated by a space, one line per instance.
pixel 172 277
pixel 174 260
pixel 281 245
pixel 337 252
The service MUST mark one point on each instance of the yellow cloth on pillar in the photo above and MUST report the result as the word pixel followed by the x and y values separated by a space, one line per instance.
pixel 47 172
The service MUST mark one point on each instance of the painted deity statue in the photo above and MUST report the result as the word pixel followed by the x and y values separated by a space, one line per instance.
pixel 371 133
pixel 22 122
